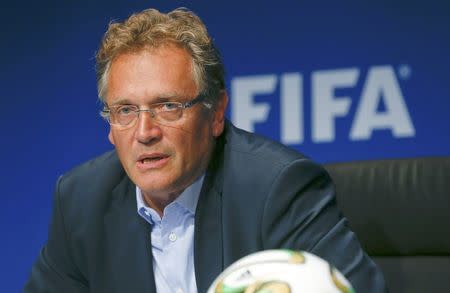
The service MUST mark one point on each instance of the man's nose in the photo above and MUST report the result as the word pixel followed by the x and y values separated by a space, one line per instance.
pixel 147 130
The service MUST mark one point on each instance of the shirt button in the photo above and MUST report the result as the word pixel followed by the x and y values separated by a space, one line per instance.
pixel 173 238
pixel 179 290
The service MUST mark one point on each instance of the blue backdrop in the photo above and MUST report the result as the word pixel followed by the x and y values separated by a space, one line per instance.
pixel 337 80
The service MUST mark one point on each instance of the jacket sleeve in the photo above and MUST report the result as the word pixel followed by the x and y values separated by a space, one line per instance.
pixel 54 270
pixel 301 213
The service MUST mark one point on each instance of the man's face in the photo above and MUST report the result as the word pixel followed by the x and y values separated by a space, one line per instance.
pixel 162 158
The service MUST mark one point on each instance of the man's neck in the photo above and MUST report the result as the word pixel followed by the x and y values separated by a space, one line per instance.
pixel 160 203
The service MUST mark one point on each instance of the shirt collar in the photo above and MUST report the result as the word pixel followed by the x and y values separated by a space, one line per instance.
pixel 188 199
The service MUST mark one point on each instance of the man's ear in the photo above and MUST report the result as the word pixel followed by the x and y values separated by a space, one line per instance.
pixel 111 138
pixel 218 122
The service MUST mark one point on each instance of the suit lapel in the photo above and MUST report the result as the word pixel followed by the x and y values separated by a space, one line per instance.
pixel 127 245
pixel 208 242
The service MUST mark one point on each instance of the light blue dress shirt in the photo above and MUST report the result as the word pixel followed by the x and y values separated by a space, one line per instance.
pixel 173 240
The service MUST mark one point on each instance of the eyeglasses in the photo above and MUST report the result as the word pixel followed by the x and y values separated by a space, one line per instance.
pixel 127 115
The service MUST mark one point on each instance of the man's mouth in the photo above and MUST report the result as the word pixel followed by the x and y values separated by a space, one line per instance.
pixel 148 160
pixel 152 161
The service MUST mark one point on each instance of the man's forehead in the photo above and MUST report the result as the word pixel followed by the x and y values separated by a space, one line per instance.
pixel 155 76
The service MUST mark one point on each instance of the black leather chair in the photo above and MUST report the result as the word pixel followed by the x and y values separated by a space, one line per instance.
pixel 400 211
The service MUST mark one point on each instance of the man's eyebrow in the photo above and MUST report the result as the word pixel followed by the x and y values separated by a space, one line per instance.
pixel 172 97
pixel 162 99
pixel 121 101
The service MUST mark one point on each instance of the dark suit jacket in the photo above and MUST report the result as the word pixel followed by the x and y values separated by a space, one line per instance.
pixel 257 195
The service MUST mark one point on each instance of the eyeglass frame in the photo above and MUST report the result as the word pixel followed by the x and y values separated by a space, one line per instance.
pixel 105 113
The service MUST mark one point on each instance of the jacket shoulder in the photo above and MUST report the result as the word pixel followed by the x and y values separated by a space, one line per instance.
pixel 107 163
pixel 253 163
pixel 93 177
pixel 256 147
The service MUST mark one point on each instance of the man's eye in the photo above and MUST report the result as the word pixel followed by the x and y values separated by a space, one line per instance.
pixel 169 106
pixel 125 110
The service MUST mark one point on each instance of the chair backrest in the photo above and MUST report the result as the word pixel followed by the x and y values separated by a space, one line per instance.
pixel 400 211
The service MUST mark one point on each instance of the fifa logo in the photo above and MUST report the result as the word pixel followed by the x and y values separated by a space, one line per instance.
pixel 380 86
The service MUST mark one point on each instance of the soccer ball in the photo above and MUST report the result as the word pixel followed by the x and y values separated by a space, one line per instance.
pixel 281 271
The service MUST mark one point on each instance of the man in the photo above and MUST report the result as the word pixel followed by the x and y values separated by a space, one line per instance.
pixel 185 193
